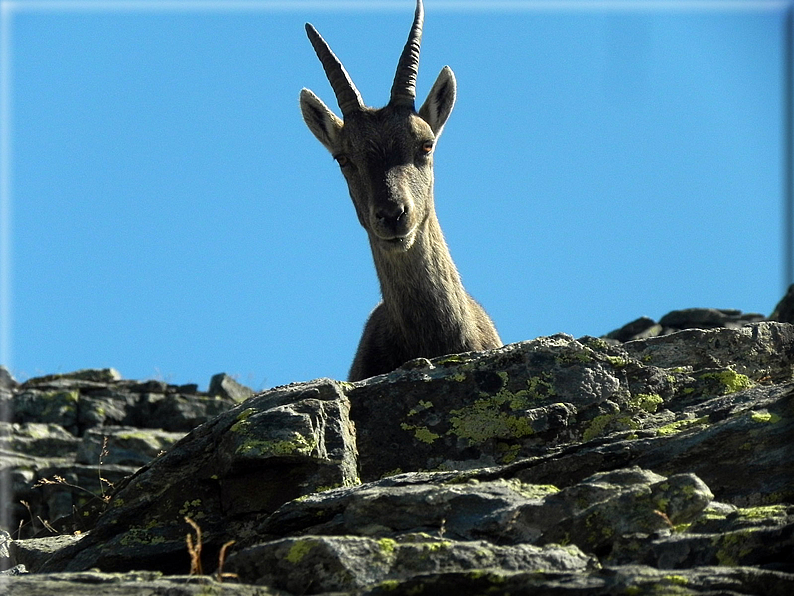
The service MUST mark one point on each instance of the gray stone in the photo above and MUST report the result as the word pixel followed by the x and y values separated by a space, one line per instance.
pixel 55 406
pixel 227 387
pixel 318 564
pixel 242 465
pixel 33 553
pixel 124 584
pixel 784 311
pixel 663 464
pixel 104 375
pixel 126 446
pixel 706 318
pixel 37 439
pixel 7 381
pixel 637 329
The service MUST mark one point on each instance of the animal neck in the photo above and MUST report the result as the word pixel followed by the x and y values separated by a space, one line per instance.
pixel 421 288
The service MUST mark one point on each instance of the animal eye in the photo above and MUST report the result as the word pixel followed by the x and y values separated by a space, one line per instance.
pixel 342 160
pixel 427 147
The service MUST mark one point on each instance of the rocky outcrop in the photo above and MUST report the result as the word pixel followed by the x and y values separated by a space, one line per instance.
pixel 660 464
pixel 68 439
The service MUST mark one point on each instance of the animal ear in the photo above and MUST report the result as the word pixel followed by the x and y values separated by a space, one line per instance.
pixel 324 124
pixel 439 102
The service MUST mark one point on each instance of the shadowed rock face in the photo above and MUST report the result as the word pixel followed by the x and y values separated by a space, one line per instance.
pixel 557 465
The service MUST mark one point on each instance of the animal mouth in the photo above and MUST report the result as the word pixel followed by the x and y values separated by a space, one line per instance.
pixel 402 242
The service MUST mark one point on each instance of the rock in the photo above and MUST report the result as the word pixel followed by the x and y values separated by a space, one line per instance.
pixel 241 466
pixel 318 564
pixel 126 446
pixel 707 318
pixel 37 439
pixel 124 584
pixel 105 375
pixel 225 386
pixel 637 329
pixel 6 380
pixel 34 552
pixel 51 416
pixel 642 463
pixel 689 318
pixel 629 579
pixel 784 311
pixel 757 351
pixel 47 406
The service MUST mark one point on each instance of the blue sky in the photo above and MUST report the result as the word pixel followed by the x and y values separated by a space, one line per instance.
pixel 167 212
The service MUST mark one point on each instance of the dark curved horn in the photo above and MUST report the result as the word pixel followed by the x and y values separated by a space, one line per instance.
pixel 403 90
pixel 347 96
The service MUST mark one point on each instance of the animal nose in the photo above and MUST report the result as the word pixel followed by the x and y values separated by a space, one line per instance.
pixel 390 212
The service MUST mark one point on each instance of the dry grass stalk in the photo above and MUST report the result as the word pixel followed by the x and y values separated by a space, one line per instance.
pixel 194 548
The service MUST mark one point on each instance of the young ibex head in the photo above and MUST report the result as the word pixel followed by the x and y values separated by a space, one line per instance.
pixel 386 154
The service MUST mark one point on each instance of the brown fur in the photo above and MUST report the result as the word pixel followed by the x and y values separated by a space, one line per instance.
pixel 386 158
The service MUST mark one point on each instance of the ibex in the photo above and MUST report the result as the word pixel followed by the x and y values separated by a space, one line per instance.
pixel 386 156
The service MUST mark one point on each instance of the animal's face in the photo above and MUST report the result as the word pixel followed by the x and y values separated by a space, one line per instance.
pixel 386 157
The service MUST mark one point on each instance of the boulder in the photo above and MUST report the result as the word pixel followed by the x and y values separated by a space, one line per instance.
pixel 223 385
pixel 69 438
pixel 658 464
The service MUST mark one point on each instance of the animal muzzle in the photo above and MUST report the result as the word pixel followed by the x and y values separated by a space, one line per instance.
pixel 391 220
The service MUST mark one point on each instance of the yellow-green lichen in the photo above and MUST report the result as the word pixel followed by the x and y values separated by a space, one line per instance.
pixel 599 424
pixel 420 407
pixel 539 387
pixel 532 491
pixel 452 359
pixel 497 416
pixel 677 427
pixel 733 547
pixel 647 402
pixel 299 445
pixel 617 362
pixel 190 509
pixel 241 420
pixel 387 545
pixel 59 403
pixel 137 536
pixel 435 546
pixel 764 417
pixel 730 379
pixel 764 512
pixel 507 453
pixel 325 488
pixel 596 343
pixel 574 357
pixel 485 419
pixel 299 550
pixel 421 433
